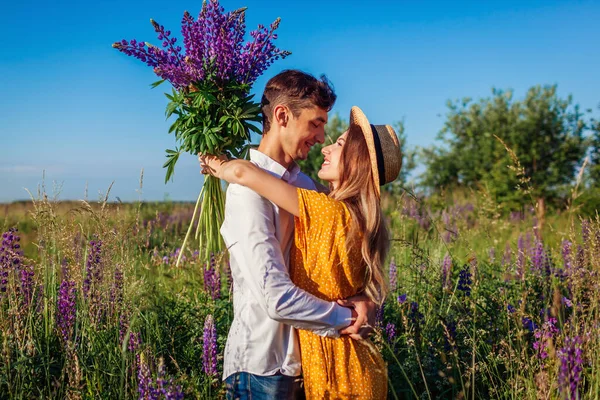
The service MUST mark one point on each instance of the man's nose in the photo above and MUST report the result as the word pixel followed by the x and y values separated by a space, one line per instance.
pixel 321 136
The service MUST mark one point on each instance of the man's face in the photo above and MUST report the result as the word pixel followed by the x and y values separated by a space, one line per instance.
pixel 304 131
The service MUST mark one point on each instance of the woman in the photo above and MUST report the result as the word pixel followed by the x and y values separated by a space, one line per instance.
pixel 341 243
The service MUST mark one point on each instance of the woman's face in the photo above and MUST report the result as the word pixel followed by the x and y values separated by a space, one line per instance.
pixel 330 170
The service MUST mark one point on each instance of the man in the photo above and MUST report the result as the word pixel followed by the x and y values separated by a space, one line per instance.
pixel 262 355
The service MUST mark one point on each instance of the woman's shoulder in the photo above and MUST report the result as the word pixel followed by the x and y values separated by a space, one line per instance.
pixel 321 202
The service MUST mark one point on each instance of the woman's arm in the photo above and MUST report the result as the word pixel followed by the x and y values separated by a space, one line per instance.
pixel 247 174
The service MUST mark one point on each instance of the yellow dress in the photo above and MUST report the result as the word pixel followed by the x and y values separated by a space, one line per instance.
pixel 321 264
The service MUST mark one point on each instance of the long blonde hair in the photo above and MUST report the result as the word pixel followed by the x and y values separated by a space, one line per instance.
pixel 358 191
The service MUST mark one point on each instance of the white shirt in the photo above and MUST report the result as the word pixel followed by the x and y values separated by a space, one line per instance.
pixel 266 304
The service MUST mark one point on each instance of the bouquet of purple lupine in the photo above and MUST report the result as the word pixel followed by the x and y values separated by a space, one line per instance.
pixel 210 97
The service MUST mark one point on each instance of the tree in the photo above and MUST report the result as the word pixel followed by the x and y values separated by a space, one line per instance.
pixel 540 139
pixel 595 153
pixel 335 127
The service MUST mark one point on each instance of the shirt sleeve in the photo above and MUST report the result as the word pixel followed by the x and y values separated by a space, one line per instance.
pixel 249 233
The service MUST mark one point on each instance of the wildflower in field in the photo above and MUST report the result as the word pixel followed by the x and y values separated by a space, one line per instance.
pixel 393 275
pixel 521 252
pixel 66 309
pixel 492 255
pixel 390 332
pixel 567 303
pixel 464 281
pixel 209 349
pixel 585 231
pixel 507 256
pixel 446 271
pixel 529 324
pixel 402 298
pixel 571 367
pixel 212 279
pixel 379 315
pixel 543 335
pixel 566 254
pixel 93 275
pixel 449 335
pixel 511 309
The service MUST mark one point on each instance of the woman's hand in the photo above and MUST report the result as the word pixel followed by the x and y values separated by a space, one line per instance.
pixel 212 165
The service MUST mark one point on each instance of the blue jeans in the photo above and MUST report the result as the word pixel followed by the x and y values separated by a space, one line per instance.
pixel 245 386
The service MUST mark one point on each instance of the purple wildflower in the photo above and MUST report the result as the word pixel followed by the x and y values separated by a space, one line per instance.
pixel 402 298
pixel 571 367
pixel 506 257
pixel 66 309
pixel 529 324
pixel 464 281
pixel 390 332
pixel 492 255
pixel 209 354
pixel 214 47
pixel 93 276
pixel 212 279
pixel 543 335
pixel 511 309
pixel 393 275
pixel 568 303
pixel 379 316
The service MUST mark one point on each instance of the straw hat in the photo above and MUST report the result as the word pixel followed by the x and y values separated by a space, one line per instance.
pixel 384 149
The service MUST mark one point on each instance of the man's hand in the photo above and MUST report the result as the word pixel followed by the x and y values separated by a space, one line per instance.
pixel 363 313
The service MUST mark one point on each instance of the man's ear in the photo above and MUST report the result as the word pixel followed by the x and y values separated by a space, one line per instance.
pixel 281 114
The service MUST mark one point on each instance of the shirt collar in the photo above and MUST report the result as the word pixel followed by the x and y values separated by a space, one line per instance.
pixel 265 162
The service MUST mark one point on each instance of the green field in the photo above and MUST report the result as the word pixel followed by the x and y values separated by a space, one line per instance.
pixel 484 303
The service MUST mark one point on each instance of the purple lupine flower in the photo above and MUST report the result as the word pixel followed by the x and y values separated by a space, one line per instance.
pixel 93 275
pixel 116 291
pixel 209 353
pixel 492 254
pixel 11 264
pixel 568 303
pixel 528 324
pixel 464 281
pixel 212 279
pixel 66 309
pixel 571 367
pixel 379 316
pixel 580 257
pixel 585 231
pixel 402 298
pixel 390 332
pixel 228 276
pixel 145 387
pixel 214 48
pixel 538 260
pixel 446 271
pixel 393 274
pixel 450 336
pixel 543 335
pixel 506 257
pixel 567 247
pixel 521 252
pixel 414 314
pixel 511 309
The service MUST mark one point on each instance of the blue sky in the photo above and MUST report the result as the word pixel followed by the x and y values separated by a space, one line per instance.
pixel 72 106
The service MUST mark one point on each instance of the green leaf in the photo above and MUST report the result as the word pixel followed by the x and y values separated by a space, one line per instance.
pixel 155 84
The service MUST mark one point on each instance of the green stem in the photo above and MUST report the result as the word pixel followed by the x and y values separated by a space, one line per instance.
pixel 187 235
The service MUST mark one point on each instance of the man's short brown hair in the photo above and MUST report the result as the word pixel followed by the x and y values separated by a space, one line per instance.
pixel 295 90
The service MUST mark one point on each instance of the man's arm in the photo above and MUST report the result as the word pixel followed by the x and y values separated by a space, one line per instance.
pixel 249 233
